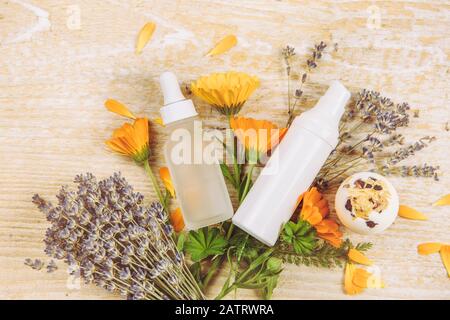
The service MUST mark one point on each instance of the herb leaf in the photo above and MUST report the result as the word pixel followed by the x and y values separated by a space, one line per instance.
pixel 301 236
pixel 204 243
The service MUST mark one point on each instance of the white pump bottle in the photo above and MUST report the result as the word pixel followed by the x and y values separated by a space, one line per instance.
pixel 292 167
pixel 199 184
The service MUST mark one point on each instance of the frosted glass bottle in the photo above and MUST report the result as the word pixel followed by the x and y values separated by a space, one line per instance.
pixel 292 168
pixel 199 184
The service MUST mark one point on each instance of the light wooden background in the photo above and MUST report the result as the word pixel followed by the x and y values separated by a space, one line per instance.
pixel 56 74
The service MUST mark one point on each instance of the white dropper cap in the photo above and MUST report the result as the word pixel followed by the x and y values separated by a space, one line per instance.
pixel 176 106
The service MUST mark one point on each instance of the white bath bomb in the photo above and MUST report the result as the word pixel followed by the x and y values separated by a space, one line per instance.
pixel 366 203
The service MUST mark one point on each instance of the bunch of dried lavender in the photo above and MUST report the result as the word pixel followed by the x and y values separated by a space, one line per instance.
pixel 368 136
pixel 311 63
pixel 104 232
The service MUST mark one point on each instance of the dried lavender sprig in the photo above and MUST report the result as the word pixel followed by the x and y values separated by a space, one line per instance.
pixel 311 63
pixel 410 150
pixel 105 231
pixel 35 264
pixel 417 171
pixel 378 115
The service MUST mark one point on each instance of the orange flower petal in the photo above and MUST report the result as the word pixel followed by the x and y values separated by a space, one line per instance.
pixel 358 257
pixel 428 248
pixel 444 201
pixel 144 36
pixel 119 108
pixel 410 213
pixel 445 255
pixel 165 177
pixel 349 287
pixel 223 45
pixel 176 219
pixel 361 277
pixel 335 241
pixel 117 146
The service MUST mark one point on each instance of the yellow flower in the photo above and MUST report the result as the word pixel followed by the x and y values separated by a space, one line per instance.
pixel 165 177
pixel 315 210
pixel 176 219
pixel 132 140
pixel 227 92
pixel 257 136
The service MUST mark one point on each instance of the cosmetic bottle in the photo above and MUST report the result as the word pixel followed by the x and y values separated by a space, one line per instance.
pixel 199 184
pixel 292 167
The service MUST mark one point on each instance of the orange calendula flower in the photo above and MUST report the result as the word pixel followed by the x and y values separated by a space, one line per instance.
pixel 257 136
pixel 358 257
pixel 226 92
pixel 132 140
pixel 315 210
pixel 176 219
pixel 119 108
pixel 165 177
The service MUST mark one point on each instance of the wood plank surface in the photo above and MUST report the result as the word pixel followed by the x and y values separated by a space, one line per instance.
pixel 59 61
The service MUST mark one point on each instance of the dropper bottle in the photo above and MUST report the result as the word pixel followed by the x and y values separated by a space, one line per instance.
pixel 198 182
pixel 292 167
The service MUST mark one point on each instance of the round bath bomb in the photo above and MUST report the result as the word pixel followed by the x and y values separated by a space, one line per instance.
pixel 366 203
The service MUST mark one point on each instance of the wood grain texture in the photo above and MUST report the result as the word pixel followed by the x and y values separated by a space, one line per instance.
pixel 54 78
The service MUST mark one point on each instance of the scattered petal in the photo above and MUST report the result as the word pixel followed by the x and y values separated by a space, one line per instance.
pixel 444 201
pixel 410 213
pixel 223 45
pixel 429 248
pixel 358 257
pixel 119 108
pixel 144 36
pixel 445 255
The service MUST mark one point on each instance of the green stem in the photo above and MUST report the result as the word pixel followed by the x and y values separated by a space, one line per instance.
pixel 155 183
pixel 247 183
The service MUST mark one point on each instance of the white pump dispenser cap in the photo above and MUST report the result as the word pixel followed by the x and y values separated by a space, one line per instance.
pixel 176 106
pixel 323 120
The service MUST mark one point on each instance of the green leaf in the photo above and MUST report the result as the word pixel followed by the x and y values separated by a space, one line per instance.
pixel 196 270
pixel 204 243
pixel 227 174
pixel 271 284
pixel 301 236
pixel 240 242
pixel 181 241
